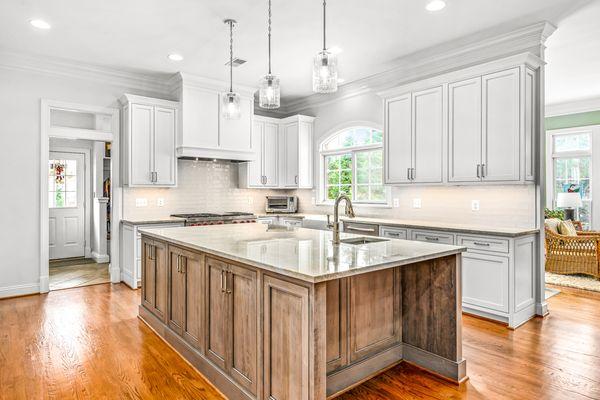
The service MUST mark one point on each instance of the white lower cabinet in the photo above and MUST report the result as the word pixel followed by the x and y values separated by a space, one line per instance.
pixel 131 251
pixel 485 281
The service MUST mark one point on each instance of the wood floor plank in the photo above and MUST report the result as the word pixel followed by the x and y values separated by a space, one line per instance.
pixel 87 343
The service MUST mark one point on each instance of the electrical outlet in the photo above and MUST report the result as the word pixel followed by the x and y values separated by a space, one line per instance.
pixel 250 200
pixel 160 202
pixel 416 203
pixel 313 200
pixel 141 202
pixel 474 205
pixel 396 203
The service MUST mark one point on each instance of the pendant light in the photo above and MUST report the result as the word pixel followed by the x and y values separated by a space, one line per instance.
pixel 325 72
pixel 230 104
pixel 269 94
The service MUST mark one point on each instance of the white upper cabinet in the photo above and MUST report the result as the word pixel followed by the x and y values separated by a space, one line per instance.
pixel 204 132
pixel 428 136
pixel 414 139
pixel 477 125
pixel 464 130
pixel 284 154
pixel 149 129
pixel 398 139
pixel 264 172
pixel 501 128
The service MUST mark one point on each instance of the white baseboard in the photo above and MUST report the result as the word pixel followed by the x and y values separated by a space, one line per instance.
pixel 19 290
pixel 100 258
pixel 128 279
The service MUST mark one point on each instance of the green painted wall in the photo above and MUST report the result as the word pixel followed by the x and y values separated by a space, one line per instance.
pixel 573 120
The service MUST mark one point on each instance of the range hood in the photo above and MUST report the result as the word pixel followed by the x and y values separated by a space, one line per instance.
pixel 203 133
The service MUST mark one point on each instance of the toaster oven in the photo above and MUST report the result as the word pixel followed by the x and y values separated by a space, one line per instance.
pixel 282 204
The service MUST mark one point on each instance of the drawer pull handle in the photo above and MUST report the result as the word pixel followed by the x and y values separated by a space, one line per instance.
pixel 481 244
pixel 393 234
pixel 356 228
pixel 435 239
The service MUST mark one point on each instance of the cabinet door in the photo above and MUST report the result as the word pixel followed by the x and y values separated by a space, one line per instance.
pixel 286 340
pixel 336 327
pixel 165 163
pixel 148 274
pixel 161 279
pixel 290 152
pixel 305 154
pixel 501 128
pixel 464 130
pixel 398 140
pixel 141 148
pixel 217 338
pixel 176 315
pixel 374 317
pixel 235 134
pixel 270 154
pixel 243 313
pixel 428 135
pixel 255 168
pixel 485 281
pixel 193 267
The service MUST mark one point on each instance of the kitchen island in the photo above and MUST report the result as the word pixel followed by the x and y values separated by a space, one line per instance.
pixel 282 313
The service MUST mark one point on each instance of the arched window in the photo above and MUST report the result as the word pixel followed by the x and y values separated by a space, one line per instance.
pixel 352 161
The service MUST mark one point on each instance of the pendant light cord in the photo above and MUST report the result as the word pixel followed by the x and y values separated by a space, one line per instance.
pixel 230 56
pixel 269 37
pixel 324 24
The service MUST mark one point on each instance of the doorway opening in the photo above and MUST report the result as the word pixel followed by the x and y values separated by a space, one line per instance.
pixel 79 177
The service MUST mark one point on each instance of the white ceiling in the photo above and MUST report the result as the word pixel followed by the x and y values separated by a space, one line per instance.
pixel 573 56
pixel 139 34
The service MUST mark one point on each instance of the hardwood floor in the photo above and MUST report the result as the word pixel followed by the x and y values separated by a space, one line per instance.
pixel 88 343
pixel 77 272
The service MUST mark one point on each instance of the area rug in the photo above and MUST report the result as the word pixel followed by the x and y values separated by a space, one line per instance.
pixel 575 281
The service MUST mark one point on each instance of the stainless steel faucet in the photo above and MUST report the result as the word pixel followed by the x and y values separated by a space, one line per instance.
pixel 349 211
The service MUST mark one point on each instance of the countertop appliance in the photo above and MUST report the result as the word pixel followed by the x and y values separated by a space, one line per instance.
pixel 200 219
pixel 282 204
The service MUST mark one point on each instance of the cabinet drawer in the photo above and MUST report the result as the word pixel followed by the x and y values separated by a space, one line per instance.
pixel 361 229
pixel 483 243
pixel 291 222
pixel 394 233
pixel 433 237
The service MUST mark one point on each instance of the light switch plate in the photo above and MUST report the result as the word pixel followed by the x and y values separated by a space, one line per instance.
pixel 416 203
pixel 141 202
pixel 474 205
pixel 396 203
pixel 160 202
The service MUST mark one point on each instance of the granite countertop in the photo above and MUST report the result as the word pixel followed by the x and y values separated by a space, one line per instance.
pixel 305 254
pixel 150 221
pixel 414 224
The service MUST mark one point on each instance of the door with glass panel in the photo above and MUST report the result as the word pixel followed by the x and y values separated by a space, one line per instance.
pixel 66 205
pixel 572 170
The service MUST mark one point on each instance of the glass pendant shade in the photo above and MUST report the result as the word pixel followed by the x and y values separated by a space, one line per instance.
pixel 269 94
pixel 325 73
pixel 230 106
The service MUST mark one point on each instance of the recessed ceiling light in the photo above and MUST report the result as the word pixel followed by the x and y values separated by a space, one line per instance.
pixel 341 80
pixel 335 50
pixel 40 24
pixel 435 5
pixel 175 57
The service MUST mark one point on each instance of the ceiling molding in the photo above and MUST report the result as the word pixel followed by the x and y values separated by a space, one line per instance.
pixel 150 82
pixel 573 107
pixel 176 81
pixel 446 57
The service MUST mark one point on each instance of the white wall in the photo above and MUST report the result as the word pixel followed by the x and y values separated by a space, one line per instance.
pixel 20 94
pixel 503 206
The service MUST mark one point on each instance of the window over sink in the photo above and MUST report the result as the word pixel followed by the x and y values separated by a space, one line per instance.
pixel 352 163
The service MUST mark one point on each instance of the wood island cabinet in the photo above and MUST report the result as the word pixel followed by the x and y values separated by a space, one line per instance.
pixel 154 277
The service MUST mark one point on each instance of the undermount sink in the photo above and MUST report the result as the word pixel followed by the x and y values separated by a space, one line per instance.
pixel 362 240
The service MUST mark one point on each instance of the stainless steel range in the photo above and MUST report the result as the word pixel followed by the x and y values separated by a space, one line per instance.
pixel 201 219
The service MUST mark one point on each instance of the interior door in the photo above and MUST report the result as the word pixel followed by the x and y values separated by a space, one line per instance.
pixel 428 135
pixel 66 184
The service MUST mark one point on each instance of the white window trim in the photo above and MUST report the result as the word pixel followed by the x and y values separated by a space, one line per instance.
pixel 322 192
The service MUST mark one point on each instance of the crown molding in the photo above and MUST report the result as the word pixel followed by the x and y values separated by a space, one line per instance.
pixel 446 57
pixel 180 79
pixel 573 107
pixel 53 66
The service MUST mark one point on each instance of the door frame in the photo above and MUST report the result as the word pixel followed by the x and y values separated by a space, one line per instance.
pixel 87 194
pixel 46 132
